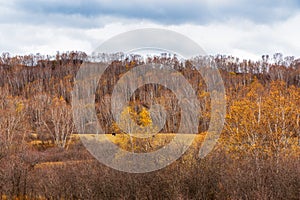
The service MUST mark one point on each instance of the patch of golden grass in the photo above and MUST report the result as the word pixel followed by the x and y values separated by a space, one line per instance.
pixel 124 141
pixel 61 163
pixel 40 143
pixel 141 145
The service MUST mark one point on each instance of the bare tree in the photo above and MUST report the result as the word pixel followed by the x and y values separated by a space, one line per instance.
pixel 58 121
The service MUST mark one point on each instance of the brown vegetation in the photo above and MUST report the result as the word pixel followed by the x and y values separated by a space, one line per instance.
pixel 257 156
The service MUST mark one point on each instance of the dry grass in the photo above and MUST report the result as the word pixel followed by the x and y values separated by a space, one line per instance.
pixel 139 145
pixel 123 141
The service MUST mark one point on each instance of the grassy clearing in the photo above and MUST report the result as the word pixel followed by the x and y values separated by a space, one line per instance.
pixel 139 145
pixel 142 145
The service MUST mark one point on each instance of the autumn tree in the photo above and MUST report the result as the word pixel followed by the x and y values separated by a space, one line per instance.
pixel 13 123
pixel 265 122
pixel 58 120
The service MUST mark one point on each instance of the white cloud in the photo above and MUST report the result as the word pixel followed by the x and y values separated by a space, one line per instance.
pixel 246 39
pixel 238 38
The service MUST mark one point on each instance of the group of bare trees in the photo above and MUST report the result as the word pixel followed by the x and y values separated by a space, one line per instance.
pixel 39 158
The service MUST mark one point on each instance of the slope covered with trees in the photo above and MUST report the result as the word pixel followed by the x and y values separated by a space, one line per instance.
pixel 257 156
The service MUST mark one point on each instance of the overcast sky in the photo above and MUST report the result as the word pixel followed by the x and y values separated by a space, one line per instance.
pixel 244 28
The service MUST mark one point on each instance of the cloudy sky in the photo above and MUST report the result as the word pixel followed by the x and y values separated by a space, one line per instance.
pixel 244 28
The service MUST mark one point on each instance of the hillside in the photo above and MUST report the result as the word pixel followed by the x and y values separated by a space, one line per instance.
pixel 256 157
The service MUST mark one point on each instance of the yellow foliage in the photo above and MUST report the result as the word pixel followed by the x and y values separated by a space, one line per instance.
pixel 61 99
pixel 145 118
pixel 19 107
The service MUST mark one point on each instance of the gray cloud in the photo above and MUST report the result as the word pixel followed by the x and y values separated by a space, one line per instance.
pixel 91 13
pixel 237 27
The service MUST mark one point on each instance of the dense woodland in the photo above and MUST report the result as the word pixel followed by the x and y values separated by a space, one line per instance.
pixel 257 156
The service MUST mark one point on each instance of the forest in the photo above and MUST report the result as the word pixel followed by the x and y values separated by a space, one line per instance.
pixel 256 157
